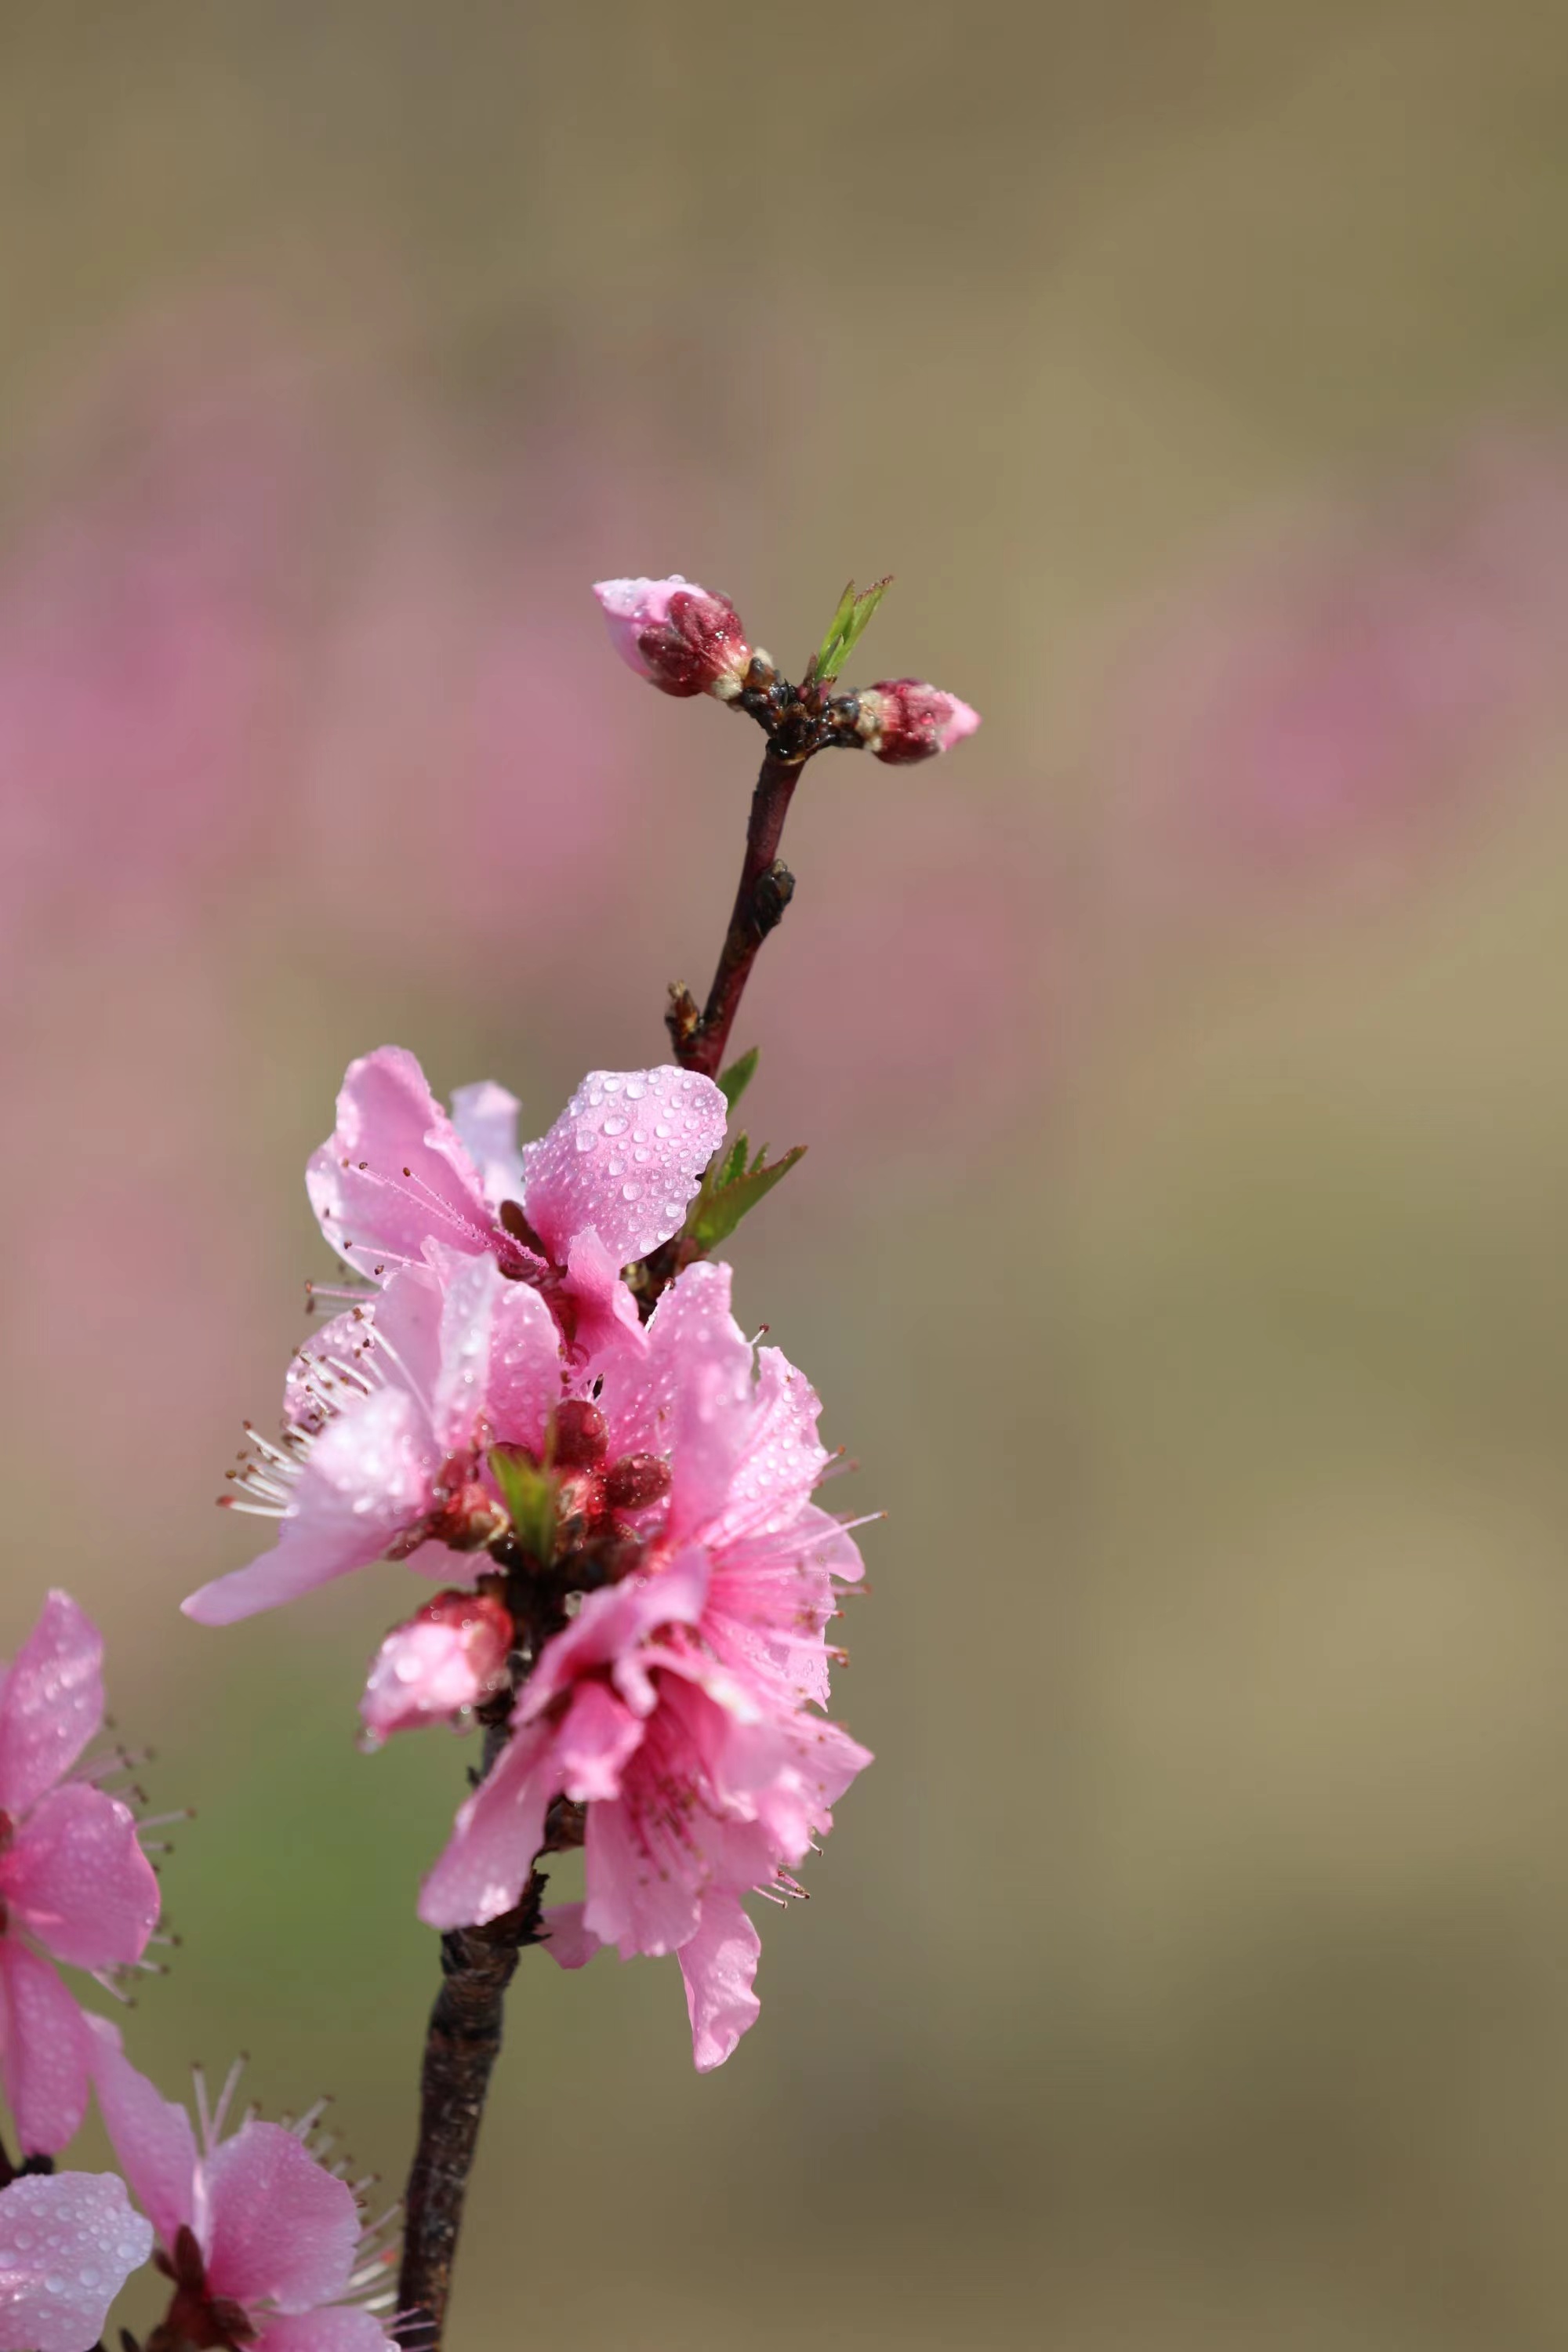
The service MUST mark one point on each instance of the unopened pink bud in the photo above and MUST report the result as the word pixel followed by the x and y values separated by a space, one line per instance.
pixel 449 1655
pixel 677 636
pixel 901 719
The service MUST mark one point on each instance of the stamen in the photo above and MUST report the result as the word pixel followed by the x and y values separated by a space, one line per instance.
pixel 204 2113
pixel 224 2097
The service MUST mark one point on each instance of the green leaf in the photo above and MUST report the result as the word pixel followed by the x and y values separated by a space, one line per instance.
pixel 846 628
pixel 529 1493
pixel 733 1082
pixel 718 1209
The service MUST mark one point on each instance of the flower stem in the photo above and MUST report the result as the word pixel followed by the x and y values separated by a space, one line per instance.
pixel 462 2042
pixel 764 890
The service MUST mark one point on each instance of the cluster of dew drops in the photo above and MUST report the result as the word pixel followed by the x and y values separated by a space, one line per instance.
pixel 627 1136
pixel 83 2249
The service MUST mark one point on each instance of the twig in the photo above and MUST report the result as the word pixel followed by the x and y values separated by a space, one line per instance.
pixel 764 890
pixel 462 2042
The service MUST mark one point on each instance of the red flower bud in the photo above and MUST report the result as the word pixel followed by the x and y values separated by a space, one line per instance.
pixel 903 719
pixel 676 635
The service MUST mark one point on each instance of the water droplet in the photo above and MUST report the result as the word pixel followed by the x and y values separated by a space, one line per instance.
pixel 631 1191
pixel 615 1167
pixel 585 1138
pixel 616 1125
pixel 636 1089
pixel 612 1085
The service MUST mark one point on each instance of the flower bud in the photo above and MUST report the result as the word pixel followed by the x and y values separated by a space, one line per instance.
pixel 903 719
pixel 448 1656
pixel 636 1481
pixel 676 635
pixel 581 1435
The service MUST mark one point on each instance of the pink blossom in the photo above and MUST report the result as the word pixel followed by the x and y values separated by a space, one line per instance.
pixel 74 1881
pixel 679 1705
pixel 263 2244
pixel 680 637
pixel 387 1417
pixel 903 719
pixel 449 1657
pixel 68 2241
pixel 611 1181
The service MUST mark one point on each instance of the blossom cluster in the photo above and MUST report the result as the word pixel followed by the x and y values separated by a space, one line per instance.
pixel 261 2238
pixel 648 1632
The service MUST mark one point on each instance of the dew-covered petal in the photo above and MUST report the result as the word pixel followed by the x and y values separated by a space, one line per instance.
pixel 279 2224
pixel 462 1376
pixel 51 1702
pixel 395 1172
pixel 689 1400
pixel 484 1116
pixel 500 1366
pixel 711 1396
pixel 527 1372
pixel 720 1964
pixel 625 1157
pixel 781 1456
pixel 340 2328
pixel 74 1875
pixel 45 2047
pixel 152 2137
pixel 368 1481
pixel 497 1833
pixel 606 1326
pixel 68 2241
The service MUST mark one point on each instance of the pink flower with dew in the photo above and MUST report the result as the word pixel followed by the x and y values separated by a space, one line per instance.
pixel 611 1181
pixel 680 637
pixel 264 2244
pixel 75 1884
pixel 68 2241
pixel 447 1660
pixel 388 1417
pixel 903 719
pixel 679 1705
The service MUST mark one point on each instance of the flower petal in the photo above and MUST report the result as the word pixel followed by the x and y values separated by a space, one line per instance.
pixel 599 1734
pixel 526 1373
pixel 500 1357
pixel 569 1943
pixel 281 2224
pixel 497 1833
pixel 605 1322
pixel 151 2137
pixel 626 1156
pixel 610 1624
pixel 51 1702
pixel 484 1116
pixel 368 1481
pixel 45 2047
pixel 395 1173
pixel 68 2241
pixel 719 1964
pixel 74 1875
pixel 643 1887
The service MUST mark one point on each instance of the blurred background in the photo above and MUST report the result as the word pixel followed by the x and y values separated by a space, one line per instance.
pixel 1179 1249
